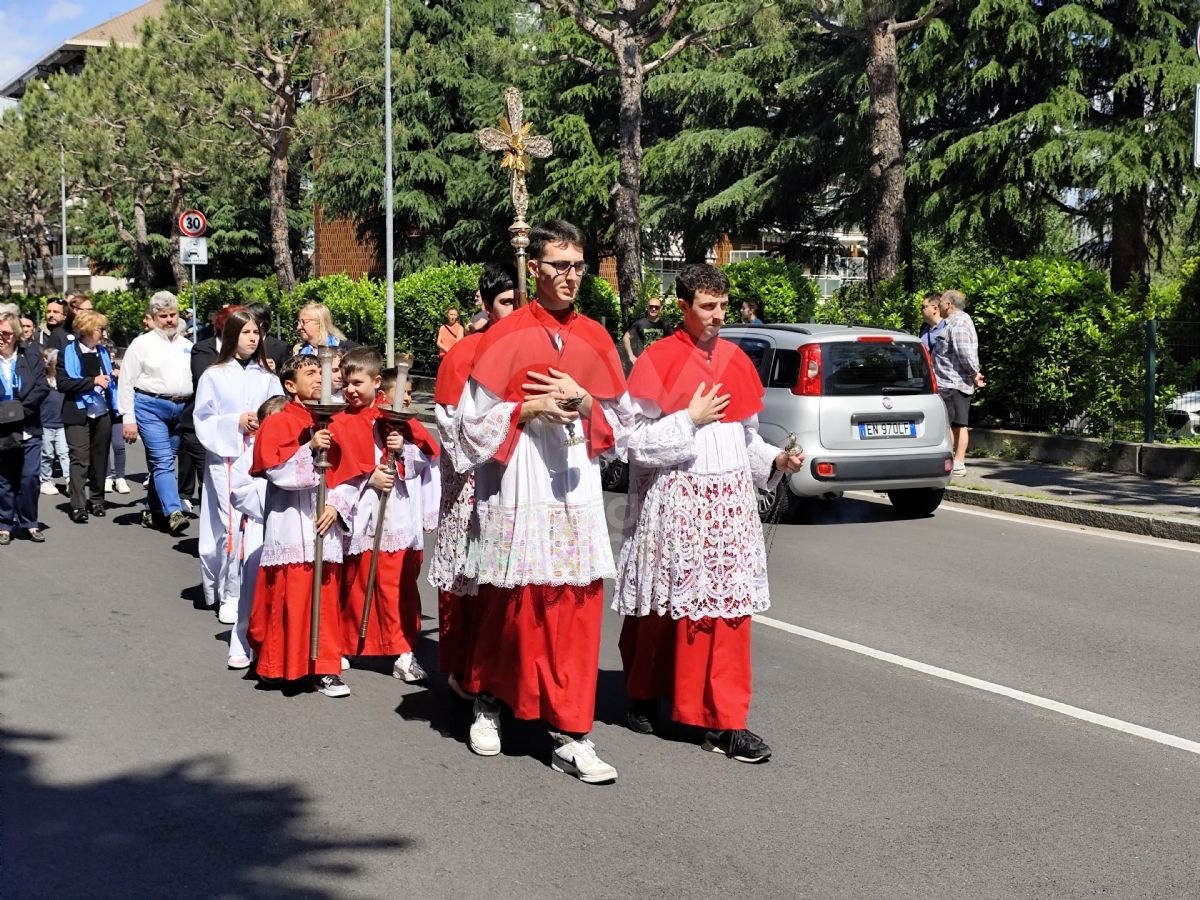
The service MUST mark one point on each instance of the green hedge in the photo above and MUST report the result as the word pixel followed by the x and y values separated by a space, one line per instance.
pixel 785 292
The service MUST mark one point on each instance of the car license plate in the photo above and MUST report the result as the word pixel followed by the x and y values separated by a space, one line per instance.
pixel 887 429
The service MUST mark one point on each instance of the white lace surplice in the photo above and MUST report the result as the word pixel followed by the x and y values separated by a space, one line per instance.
pixel 541 517
pixel 357 502
pixel 288 534
pixel 693 541
pixel 455 562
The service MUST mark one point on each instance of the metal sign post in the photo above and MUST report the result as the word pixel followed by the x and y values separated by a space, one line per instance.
pixel 193 250
pixel 390 348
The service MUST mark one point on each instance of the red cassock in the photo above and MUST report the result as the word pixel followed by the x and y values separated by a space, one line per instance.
pixel 394 625
pixel 702 665
pixel 281 617
pixel 281 621
pixel 535 646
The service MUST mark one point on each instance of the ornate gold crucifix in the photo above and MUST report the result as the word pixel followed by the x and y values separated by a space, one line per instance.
pixel 513 140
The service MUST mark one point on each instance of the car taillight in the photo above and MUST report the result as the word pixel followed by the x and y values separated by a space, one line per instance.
pixel 826 470
pixel 875 339
pixel 929 362
pixel 809 382
pixel 949 464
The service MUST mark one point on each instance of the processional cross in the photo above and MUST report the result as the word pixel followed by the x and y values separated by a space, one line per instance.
pixel 513 140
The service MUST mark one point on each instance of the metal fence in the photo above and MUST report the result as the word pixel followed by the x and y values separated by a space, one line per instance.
pixel 1154 395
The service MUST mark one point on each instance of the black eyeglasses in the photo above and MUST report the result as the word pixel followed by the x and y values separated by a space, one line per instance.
pixel 562 266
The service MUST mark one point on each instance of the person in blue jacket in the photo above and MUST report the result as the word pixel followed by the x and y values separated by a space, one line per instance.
pixel 23 387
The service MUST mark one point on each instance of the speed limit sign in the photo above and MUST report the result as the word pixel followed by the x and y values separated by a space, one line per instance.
pixel 192 223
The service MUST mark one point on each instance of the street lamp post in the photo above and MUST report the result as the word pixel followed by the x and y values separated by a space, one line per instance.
pixel 387 185
pixel 62 161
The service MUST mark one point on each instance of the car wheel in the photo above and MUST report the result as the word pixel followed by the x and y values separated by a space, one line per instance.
pixel 614 476
pixel 777 505
pixel 916 502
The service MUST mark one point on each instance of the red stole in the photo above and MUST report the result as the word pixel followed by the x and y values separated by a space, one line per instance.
pixel 280 437
pixel 670 370
pixel 454 371
pixel 353 431
pixel 524 342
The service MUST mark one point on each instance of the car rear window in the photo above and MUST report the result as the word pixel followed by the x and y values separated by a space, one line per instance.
pixel 855 368
pixel 759 352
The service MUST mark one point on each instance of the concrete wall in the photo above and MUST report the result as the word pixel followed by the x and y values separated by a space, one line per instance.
pixel 1127 458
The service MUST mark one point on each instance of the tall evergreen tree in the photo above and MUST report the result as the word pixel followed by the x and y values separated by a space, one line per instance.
pixel 1026 109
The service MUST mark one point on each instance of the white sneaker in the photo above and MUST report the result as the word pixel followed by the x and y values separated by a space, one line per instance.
pixel 108 485
pixel 959 470
pixel 121 486
pixel 579 758
pixel 408 670
pixel 345 663
pixel 49 488
pixel 227 614
pixel 187 504
pixel 239 662
pixel 485 730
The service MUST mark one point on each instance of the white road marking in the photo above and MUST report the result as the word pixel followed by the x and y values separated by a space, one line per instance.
pixel 1032 699
pixel 950 506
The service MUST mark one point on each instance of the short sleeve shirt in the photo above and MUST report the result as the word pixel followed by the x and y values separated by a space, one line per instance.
pixel 643 333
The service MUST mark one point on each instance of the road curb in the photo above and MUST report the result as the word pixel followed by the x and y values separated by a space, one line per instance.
pixel 1076 514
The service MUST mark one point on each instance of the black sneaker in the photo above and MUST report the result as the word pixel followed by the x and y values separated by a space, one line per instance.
pixel 331 686
pixel 79 516
pixel 643 716
pixel 96 509
pixel 177 524
pixel 744 746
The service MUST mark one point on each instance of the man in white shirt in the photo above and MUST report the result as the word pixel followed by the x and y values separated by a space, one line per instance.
pixel 156 382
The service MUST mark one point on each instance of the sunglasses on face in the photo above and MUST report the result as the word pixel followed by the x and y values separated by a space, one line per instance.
pixel 653 308
pixel 562 266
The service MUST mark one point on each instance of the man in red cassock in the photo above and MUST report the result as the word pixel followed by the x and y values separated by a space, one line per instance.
pixel 693 568
pixel 545 399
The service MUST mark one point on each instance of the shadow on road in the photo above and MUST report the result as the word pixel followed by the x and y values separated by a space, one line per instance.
pixel 187 831
pixel 843 511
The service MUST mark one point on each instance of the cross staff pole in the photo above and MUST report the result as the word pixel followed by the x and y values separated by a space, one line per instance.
pixel 514 141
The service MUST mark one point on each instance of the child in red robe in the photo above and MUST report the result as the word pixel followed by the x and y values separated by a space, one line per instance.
pixel 280 620
pixel 378 453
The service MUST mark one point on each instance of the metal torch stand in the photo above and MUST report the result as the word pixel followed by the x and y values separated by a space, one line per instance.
pixel 393 417
pixel 321 414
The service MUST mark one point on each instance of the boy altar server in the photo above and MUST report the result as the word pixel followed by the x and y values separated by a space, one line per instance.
pixel 394 624
pixel 693 567
pixel 543 536
pixel 280 619
pixel 454 564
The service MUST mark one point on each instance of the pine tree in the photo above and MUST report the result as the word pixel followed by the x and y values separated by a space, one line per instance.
pixel 1026 110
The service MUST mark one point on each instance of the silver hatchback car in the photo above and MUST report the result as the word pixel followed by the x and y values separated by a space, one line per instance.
pixel 862 402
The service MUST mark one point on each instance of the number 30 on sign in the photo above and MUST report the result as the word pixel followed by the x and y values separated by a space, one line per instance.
pixel 193 223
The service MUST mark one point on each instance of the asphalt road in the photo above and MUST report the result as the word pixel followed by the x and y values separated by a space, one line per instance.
pixel 136 766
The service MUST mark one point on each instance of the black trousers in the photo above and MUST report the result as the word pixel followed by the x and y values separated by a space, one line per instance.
pixel 88 445
pixel 191 464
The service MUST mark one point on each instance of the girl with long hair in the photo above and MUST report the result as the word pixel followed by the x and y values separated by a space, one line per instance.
pixel 227 399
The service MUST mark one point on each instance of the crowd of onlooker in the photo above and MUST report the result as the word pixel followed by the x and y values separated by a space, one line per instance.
pixel 71 402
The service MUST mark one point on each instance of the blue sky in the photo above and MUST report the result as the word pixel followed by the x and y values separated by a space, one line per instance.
pixel 30 29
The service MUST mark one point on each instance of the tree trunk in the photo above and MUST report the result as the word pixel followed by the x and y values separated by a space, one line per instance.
pixel 138 241
pixel 5 283
pixel 885 174
pixel 1130 251
pixel 626 198
pixel 43 250
pixel 28 263
pixel 280 246
pixel 177 209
